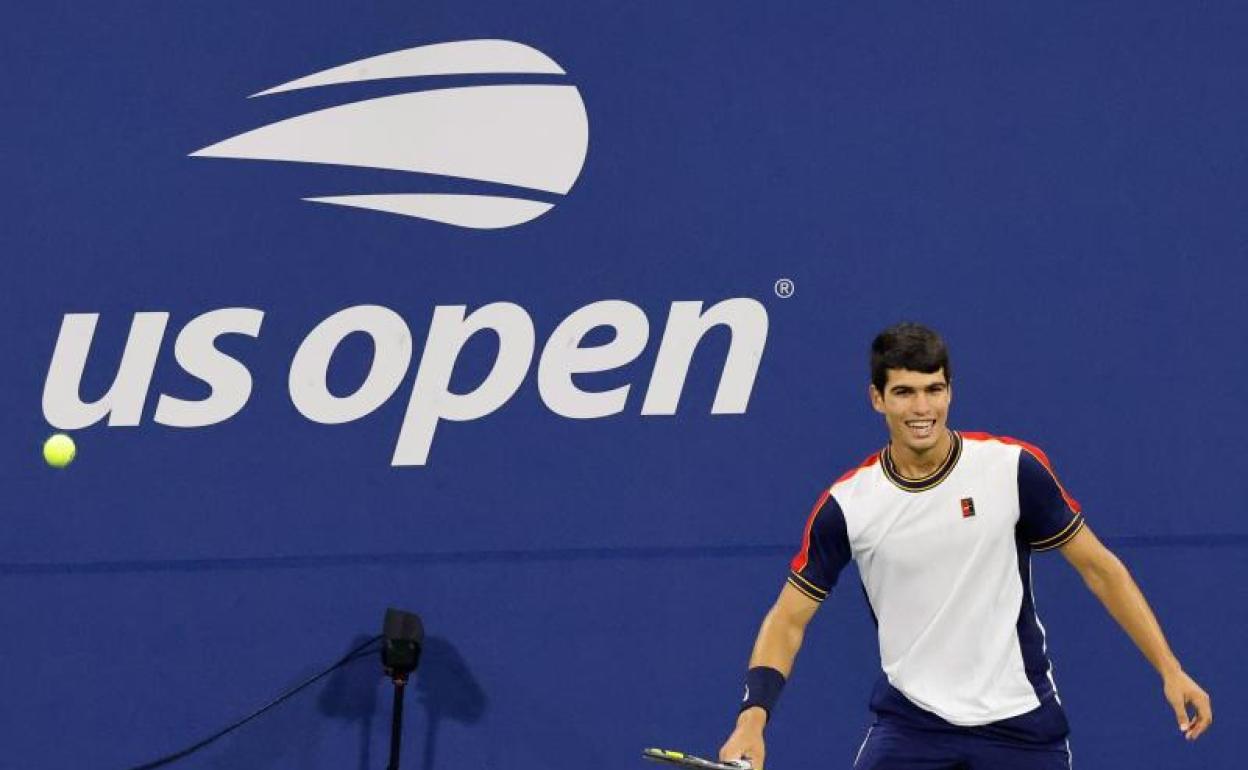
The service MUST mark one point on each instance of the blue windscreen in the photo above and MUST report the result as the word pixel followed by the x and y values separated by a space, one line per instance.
pixel 550 322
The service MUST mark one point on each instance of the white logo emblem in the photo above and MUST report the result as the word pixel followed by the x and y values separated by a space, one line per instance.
pixel 530 136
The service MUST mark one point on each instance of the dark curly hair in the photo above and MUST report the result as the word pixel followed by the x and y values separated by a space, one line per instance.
pixel 908 346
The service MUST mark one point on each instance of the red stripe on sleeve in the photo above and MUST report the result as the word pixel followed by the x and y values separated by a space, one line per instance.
pixel 1035 452
pixel 803 556
pixel 867 463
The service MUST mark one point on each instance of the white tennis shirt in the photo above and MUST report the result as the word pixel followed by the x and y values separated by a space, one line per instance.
pixel 945 562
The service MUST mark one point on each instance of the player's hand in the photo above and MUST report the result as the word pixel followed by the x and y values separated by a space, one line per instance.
pixel 1181 691
pixel 746 742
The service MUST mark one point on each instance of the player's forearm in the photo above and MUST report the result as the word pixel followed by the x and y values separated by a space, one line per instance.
pixel 779 639
pixel 1113 585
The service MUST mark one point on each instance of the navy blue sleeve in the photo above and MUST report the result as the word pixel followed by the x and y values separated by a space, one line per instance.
pixel 824 552
pixel 1048 517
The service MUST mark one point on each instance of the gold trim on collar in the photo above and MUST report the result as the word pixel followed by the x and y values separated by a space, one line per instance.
pixel 928 482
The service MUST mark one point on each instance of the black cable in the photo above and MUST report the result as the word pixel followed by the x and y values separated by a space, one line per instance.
pixel 358 652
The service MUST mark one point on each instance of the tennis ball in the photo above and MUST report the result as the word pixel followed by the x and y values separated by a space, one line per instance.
pixel 59 450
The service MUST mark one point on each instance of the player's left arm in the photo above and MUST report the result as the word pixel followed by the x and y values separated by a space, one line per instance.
pixel 1108 578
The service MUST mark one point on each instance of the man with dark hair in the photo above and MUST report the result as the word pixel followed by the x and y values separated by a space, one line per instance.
pixel 908 346
pixel 966 684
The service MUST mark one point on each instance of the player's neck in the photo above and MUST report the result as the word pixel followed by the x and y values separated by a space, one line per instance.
pixel 913 464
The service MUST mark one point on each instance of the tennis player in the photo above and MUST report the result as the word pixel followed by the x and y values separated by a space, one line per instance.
pixel 942 525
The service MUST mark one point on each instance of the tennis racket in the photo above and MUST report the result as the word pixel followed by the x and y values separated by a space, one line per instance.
pixel 681 759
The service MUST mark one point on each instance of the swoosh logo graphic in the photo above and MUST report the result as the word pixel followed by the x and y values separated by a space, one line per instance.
pixel 481 212
pixel 464 57
pixel 532 136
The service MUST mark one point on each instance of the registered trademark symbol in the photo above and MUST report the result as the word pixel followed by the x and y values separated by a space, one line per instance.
pixel 785 288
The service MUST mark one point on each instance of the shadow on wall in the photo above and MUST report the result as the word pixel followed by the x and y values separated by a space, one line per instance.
pixel 288 735
pixel 351 695
pixel 444 688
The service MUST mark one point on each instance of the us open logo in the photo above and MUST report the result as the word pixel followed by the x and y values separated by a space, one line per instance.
pixel 520 136
pixel 531 136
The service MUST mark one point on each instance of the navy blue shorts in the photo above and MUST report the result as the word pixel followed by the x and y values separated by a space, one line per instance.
pixel 904 737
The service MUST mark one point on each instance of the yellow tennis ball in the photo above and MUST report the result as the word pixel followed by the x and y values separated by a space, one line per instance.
pixel 59 450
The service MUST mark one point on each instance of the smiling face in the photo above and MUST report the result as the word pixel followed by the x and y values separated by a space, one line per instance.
pixel 915 408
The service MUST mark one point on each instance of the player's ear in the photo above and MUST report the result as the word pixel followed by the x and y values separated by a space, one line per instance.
pixel 877 398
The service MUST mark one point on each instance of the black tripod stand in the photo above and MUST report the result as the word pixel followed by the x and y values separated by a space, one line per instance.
pixel 396 722
pixel 400 654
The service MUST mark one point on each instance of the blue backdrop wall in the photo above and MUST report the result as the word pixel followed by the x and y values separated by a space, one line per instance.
pixel 1059 190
